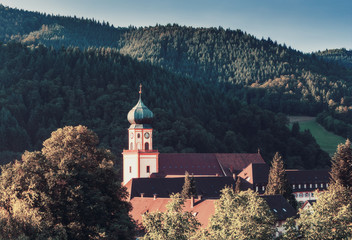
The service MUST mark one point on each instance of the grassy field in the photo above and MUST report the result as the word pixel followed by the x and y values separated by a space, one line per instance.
pixel 328 141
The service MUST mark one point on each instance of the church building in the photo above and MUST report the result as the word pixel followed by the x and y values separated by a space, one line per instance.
pixel 150 177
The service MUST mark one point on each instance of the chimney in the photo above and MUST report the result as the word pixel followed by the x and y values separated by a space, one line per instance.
pixel 154 195
pixel 199 197
pixel 217 174
pixel 234 176
pixel 192 201
pixel 142 195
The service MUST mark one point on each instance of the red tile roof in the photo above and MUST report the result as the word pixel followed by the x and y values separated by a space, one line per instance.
pixel 194 163
pixel 203 209
pixel 223 164
pixel 236 162
pixel 307 176
pixel 208 187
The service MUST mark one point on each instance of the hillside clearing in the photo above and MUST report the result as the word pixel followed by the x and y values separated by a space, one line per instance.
pixel 328 141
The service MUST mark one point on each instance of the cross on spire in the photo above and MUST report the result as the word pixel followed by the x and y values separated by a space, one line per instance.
pixel 140 90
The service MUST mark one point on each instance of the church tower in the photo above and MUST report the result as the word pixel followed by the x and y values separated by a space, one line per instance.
pixel 140 160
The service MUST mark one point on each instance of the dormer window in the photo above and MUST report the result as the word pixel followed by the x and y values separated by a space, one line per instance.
pixel 299 186
pixel 293 186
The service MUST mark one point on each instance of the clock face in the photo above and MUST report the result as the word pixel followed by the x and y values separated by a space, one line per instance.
pixel 146 135
pixel 131 135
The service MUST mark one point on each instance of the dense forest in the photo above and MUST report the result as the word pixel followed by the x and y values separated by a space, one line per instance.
pixel 42 89
pixel 65 72
pixel 341 56
pixel 268 74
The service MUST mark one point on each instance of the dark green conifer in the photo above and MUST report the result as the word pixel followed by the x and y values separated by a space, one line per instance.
pixel 278 182
pixel 238 185
pixel 189 187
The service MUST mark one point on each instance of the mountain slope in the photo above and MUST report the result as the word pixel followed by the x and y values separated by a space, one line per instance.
pixel 42 89
pixel 265 73
pixel 340 56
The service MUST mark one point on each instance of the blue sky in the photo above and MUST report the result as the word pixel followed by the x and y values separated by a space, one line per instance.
pixel 306 25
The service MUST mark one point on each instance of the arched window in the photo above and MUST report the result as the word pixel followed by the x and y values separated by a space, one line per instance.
pixel 131 147
pixel 138 146
pixel 146 146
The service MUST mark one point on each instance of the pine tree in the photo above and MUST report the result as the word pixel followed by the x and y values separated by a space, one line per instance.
pixel 341 165
pixel 189 187
pixel 238 185
pixel 277 182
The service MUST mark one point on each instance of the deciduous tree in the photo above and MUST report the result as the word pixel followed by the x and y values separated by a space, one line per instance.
pixel 330 217
pixel 172 224
pixel 241 216
pixel 70 189
pixel 341 165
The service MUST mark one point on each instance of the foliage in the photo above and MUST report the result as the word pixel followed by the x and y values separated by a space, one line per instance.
pixel 44 89
pixel 291 231
pixel 189 187
pixel 271 75
pixel 172 224
pixel 278 182
pixel 341 167
pixel 241 216
pixel 68 190
pixel 341 56
pixel 330 217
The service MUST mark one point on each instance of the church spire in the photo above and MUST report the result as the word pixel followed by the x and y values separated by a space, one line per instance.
pixel 140 91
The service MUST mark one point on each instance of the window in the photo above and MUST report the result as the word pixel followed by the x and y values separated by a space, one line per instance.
pixel 293 186
pixel 299 186
pixel 130 169
pixel 284 210
pixel 327 185
pixel 310 185
pixel 300 195
pixel 148 169
pixel 263 188
pixel 146 146
pixel 307 194
pixel 316 185
pixel 275 210
pixel 312 194
pixel 256 189
pixel 305 185
pixel 131 147
pixel 139 135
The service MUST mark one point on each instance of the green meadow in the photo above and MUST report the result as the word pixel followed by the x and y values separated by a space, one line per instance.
pixel 328 141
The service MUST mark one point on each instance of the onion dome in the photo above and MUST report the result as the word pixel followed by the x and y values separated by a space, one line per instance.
pixel 140 114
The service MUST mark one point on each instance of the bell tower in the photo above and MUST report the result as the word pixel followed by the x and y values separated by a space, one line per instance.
pixel 140 160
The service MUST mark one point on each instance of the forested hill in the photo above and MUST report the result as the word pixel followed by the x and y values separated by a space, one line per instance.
pixel 274 76
pixel 270 75
pixel 341 56
pixel 42 89
pixel 33 28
